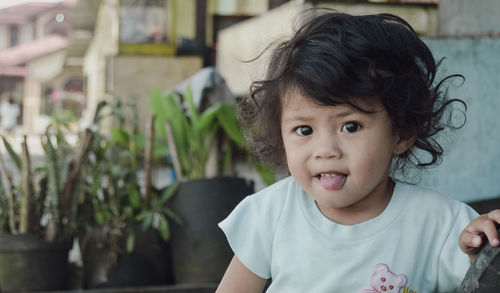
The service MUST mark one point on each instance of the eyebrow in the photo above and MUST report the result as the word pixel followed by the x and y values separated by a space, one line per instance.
pixel 303 118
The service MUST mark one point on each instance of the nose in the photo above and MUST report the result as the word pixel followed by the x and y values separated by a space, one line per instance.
pixel 327 146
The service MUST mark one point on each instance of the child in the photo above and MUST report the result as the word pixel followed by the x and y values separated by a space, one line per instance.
pixel 346 98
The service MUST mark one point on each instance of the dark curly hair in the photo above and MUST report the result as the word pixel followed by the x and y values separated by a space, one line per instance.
pixel 335 58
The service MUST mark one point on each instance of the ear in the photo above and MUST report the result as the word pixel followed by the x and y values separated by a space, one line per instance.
pixel 406 139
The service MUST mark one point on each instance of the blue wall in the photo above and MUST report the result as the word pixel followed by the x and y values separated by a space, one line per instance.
pixel 471 168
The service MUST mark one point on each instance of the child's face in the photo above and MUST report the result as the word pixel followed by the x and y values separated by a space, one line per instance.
pixel 340 156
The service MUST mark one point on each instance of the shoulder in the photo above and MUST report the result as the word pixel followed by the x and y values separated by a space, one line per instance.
pixel 276 192
pixel 434 205
pixel 266 204
pixel 428 198
pixel 254 221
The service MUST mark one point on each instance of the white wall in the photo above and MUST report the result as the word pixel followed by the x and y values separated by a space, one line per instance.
pixel 247 39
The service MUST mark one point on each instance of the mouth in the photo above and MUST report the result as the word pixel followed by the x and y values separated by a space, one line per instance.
pixel 331 180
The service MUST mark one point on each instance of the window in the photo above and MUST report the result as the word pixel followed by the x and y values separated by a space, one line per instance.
pixel 14 35
pixel 147 27
pixel 144 21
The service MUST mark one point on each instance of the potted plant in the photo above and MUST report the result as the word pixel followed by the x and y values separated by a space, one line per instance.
pixel 124 238
pixel 196 138
pixel 39 219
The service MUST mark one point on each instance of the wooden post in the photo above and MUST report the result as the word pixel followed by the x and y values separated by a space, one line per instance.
pixel 148 158
pixel 78 161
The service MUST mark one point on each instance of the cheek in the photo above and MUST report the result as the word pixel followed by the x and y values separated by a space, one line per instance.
pixel 371 161
pixel 294 149
pixel 296 162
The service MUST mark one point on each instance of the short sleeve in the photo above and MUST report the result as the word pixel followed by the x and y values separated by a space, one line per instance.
pixel 453 262
pixel 250 231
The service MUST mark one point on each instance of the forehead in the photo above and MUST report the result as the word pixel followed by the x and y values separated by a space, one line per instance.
pixel 293 101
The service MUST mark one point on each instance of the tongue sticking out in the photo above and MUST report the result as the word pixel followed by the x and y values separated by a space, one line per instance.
pixel 332 182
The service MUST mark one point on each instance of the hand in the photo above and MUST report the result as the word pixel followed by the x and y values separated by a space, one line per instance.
pixel 480 229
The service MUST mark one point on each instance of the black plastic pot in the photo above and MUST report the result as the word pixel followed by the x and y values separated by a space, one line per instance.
pixel 147 265
pixel 28 263
pixel 200 253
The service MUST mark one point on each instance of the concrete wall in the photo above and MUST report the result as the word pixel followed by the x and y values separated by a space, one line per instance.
pixel 248 39
pixel 423 18
pixel 465 17
pixel 110 75
pixel 26 32
pixel 471 169
pixel 135 76
pixel 249 7
pixel 185 19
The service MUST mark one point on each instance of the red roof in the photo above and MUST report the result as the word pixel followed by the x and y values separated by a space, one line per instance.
pixel 19 55
pixel 23 13
pixel 13 71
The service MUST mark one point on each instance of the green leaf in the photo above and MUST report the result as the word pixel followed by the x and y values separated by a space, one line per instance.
pixel 139 140
pixel 229 122
pixel 208 118
pixel 41 169
pixel 173 216
pixel 158 104
pixel 116 170
pixel 160 148
pixel 128 211
pixel 119 135
pixel 64 117
pixel 99 217
pixel 134 196
pixel 12 153
pixel 148 220
pixel 266 173
pixel 182 132
pixel 130 242
pixel 226 161
pixel 164 229
pixel 169 192
pixel 192 110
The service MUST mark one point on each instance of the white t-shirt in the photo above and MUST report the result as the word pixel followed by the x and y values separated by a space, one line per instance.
pixel 280 233
pixel 8 115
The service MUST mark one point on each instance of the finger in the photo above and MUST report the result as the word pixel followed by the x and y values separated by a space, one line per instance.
pixel 490 230
pixel 494 216
pixel 470 240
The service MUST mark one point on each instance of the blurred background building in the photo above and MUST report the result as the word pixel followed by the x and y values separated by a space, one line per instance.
pixel 33 43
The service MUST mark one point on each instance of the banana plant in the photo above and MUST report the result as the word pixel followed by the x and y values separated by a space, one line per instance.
pixel 195 134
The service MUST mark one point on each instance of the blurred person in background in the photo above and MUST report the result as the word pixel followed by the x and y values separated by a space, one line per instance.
pixel 9 111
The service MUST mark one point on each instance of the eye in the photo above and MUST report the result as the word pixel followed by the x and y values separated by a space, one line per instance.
pixel 303 130
pixel 350 127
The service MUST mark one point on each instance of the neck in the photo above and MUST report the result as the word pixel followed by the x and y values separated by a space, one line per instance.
pixel 366 209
